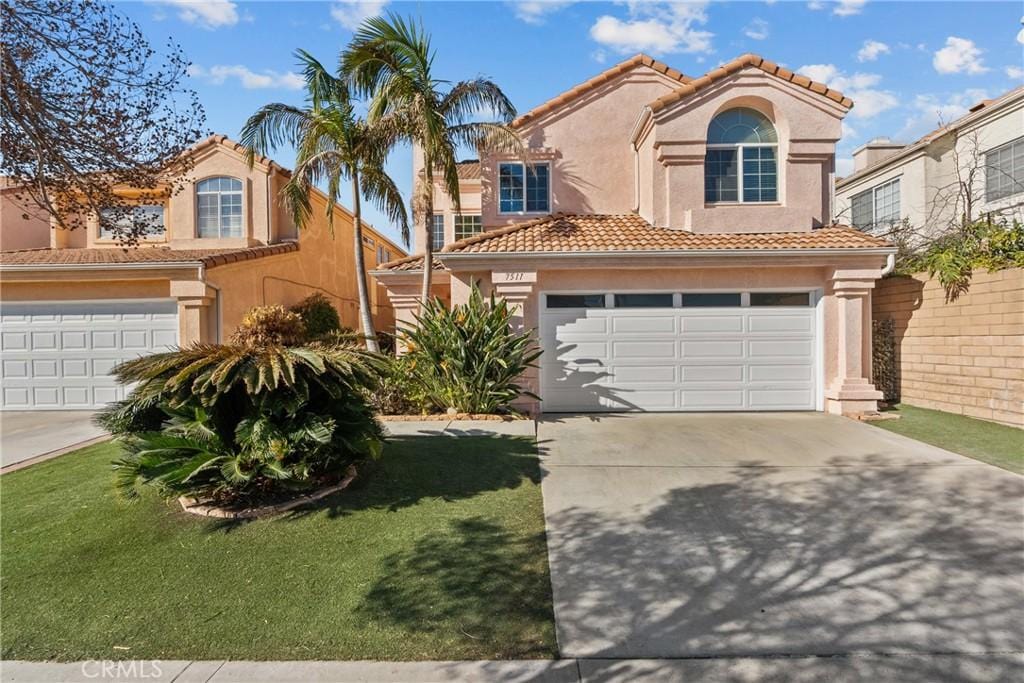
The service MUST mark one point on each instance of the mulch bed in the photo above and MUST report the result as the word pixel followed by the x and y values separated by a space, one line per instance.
pixel 444 417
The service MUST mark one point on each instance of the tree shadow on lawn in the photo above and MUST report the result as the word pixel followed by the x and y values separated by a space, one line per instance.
pixel 486 587
pixel 416 468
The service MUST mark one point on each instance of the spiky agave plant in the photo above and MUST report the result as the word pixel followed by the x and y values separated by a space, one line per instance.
pixel 469 358
pixel 240 421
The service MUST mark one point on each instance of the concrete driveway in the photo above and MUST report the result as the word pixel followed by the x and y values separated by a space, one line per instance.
pixel 719 535
pixel 31 435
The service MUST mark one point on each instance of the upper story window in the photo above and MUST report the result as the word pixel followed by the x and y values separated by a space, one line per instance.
pixel 383 254
pixel 877 208
pixel 740 165
pixel 1004 170
pixel 466 226
pixel 437 231
pixel 524 188
pixel 220 207
pixel 145 220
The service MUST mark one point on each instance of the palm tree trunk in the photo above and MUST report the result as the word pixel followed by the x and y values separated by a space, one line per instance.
pixel 428 242
pixel 365 319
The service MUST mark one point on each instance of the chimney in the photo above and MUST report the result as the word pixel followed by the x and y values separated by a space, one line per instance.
pixel 874 151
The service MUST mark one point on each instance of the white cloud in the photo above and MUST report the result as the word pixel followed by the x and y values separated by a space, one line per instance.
pixel 249 79
pixel 868 100
pixel 352 13
pixel 871 50
pixel 847 8
pixel 536 11
pixel 208 14
pixel 1020 35
pixel 756 29
pixel 815 5
pixel 599 56
pixel 1015 73
pixel 930 111
pixel 655 26
pixel 959 56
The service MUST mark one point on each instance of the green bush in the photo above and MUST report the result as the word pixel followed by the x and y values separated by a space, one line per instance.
pixel 981 244
pixel 397 392
pixel 244 422
pixel 468 358
pixel 319 316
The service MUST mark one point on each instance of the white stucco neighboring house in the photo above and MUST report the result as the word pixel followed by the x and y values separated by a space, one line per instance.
pixel 973 165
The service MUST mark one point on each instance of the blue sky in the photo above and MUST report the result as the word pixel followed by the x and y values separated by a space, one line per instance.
pixel 907 65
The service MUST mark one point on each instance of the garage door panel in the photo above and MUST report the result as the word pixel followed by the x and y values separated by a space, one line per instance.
pixel 573 350
pixel 775 348
pixel 644 324
pixel 779 398
pixel 712 323
pixel 712 349
pixel 711 399
pixel 662 350
pixel 583 325
pixel 712 373
pixel 651 374
pixel 776 373
pixel 800 322
pixel 60 355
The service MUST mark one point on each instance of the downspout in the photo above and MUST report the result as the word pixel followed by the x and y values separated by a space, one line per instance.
pixel 636 177
pixel 216 303
pixel 890 265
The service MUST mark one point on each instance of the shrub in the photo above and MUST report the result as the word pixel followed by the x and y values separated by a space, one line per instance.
pixel 269 325
pixel 319 316
pixel 468 358
pixel 397 392
pixel 242 422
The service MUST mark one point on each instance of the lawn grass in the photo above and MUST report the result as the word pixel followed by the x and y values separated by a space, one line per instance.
pixel 440 554
pixel 995 444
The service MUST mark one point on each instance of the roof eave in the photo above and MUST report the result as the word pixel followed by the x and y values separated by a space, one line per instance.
pixel 148 265
pixel 672 253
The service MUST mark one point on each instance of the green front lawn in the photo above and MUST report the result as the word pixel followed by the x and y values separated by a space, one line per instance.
pixel 440 554
pixel 995 444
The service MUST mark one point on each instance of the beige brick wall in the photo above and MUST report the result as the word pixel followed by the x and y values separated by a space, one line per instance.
pixel 964 357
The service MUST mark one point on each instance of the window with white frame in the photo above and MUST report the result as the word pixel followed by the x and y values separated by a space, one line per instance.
pixel 524 188
pixel 383 254
pixel 145 220
pixel 437 231
pixel 466 226
pixel 877 208
pixel 741 160
pixel 1004 170
pixel 219 202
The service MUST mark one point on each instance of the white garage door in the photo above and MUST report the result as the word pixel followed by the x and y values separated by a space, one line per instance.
pixel 58 356
pixel 682 351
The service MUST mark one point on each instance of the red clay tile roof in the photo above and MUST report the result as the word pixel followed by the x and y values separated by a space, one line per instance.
pixel 598 80
pixel 631 233
pixel 113 256
pixel 739 63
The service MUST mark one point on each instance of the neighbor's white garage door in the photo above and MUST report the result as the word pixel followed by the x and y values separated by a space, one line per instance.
pixel 679 351
pixel 58 356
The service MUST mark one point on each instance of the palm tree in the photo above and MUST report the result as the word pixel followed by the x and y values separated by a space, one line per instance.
pixel 391 60
pixel 333 145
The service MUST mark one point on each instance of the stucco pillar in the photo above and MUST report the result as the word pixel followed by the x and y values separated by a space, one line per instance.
pixel 517 289
pixel 195 311
pixel 851 391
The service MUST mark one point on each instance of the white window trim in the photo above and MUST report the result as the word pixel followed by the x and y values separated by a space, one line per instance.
pixel 739 173
pixel 455 224
pixel 156 236
pixel 524 212
pixel 220 224
pixel 433 227
pixel 874 191
pixel 989 167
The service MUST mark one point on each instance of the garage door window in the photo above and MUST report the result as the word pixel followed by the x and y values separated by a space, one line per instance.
pixel 576 300
pixel 712 299
pixel 780 299
pixel 643 301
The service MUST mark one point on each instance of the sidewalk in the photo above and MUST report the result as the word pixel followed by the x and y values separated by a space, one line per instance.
pixel 973 667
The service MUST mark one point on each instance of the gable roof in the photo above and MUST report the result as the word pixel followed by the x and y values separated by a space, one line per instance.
pixel 599 80
pixel 741 62
pixel 155 256
pixel 629 233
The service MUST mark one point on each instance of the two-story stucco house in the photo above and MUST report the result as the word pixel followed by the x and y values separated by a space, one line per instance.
pixel 78 303
pixel 670 240
pixel 971 166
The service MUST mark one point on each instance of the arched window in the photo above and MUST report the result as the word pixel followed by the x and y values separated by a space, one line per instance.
pixel 740 165
pixel 220 207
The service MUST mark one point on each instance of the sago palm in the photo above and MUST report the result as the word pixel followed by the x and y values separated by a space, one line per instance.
pixel 391 61
pixel 332 145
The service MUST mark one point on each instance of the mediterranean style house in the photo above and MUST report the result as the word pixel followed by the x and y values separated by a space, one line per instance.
pixel 75 303
pixel 671 240
pixel 972 166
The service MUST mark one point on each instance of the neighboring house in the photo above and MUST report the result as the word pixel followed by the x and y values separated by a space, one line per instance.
pixel 973 166
pixel 670 240
pixel 72 310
